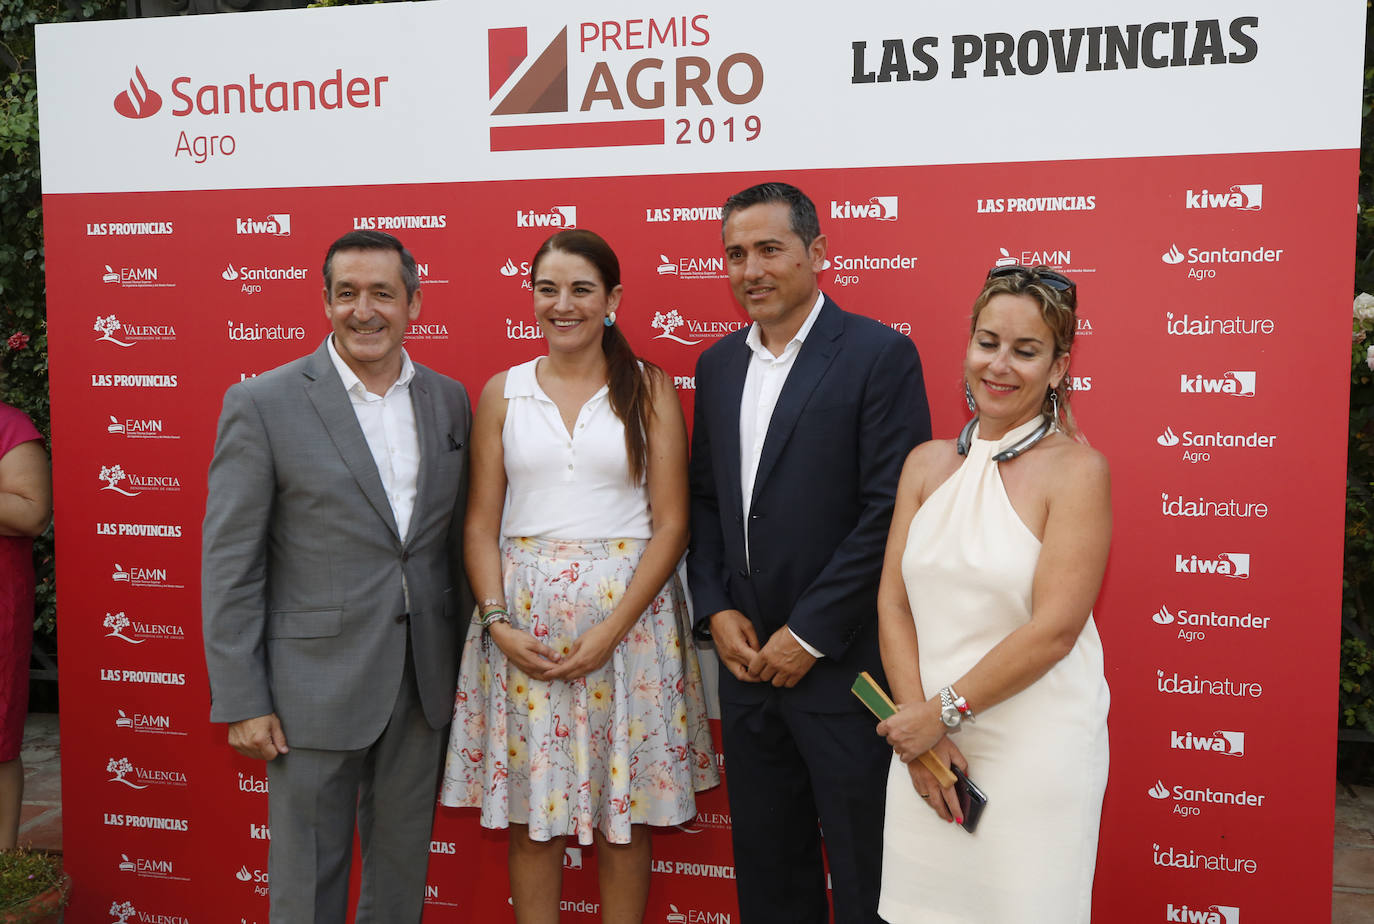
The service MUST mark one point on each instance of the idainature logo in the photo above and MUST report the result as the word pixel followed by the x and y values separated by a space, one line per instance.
pixel 140 100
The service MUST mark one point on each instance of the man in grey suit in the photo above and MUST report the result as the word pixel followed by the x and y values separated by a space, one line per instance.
pixel 333 592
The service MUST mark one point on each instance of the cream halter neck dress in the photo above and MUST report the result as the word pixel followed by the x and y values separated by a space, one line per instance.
pixel 1040 756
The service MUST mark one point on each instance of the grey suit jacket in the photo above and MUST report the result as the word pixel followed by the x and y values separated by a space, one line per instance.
pixel 304 576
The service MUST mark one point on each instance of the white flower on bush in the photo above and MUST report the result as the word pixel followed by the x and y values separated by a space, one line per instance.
pixel 1364 306
pixel 1369 356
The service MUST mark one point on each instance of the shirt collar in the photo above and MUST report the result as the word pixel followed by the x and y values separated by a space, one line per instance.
pixel 755 338
pixel 353 384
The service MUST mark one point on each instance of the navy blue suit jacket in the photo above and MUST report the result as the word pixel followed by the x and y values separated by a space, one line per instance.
pixel 852 408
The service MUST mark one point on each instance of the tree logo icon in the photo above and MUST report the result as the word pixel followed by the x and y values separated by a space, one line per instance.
pixel 106 327
pixel 113 475
pixel 669 322
pixel 117 623
pixel 122 912
pixel 119 766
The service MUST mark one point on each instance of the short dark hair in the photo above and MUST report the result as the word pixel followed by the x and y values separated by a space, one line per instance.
pixel 802 210
pixel 373 240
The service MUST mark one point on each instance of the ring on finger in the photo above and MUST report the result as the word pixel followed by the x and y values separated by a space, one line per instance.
pixel 925 795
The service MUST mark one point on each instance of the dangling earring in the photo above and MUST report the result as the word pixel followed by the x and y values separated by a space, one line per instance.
pixel 968 396
pixel 609 319
pixel 1054 408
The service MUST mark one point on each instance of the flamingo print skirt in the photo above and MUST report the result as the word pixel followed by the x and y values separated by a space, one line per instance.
pixel 627 744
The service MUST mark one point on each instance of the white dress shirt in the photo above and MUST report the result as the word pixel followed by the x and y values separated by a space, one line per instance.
pixel 388 423
pixel 763 384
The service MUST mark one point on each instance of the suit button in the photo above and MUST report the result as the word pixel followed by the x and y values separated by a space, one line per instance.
pixel 402 618
pixel 758 571
pixel 743 572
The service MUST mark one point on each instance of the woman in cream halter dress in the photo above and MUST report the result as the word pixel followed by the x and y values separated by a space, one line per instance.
pixel 996 585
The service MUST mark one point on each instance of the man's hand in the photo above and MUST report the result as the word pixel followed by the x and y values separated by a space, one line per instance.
pixel 736 642
pixel 261 738
pixel 782 662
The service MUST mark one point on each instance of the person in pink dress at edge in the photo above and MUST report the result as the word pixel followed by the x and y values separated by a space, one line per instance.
pixel 996 554
pixel 579 712
pixel 25 511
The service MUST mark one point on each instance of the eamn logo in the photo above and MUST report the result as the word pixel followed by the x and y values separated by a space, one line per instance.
pixel 139 101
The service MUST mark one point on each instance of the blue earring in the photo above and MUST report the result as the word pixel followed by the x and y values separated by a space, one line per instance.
pixel 609 319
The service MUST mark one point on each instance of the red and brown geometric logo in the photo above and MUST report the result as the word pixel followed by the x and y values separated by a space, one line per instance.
pixel 544 88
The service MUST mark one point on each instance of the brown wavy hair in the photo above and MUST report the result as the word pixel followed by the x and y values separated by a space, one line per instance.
pixel 629 379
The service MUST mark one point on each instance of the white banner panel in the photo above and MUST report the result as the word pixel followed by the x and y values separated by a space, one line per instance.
pixel 454 92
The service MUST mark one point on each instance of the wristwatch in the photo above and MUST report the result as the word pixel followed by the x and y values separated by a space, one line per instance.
pixel 953 708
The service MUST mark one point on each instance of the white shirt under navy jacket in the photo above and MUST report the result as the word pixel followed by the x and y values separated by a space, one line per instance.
pixel 763 384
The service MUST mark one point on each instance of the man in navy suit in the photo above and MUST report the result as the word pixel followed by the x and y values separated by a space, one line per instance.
pixel 802 424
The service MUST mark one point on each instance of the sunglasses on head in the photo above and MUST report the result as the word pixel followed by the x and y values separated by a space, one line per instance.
pixel 1057 281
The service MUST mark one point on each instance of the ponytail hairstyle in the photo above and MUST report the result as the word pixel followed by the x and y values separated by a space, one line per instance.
pixel 629 379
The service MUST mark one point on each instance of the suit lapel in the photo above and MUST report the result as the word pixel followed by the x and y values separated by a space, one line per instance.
pixel 736 368
pixel 326 392
pixel 819 348
pixel 427 427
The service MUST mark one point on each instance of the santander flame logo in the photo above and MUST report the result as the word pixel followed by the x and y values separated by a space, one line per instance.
pixel 139 101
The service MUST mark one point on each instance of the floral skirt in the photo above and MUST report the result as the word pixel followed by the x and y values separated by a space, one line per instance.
pixel 627 744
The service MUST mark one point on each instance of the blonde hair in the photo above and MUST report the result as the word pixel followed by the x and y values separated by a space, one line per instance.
pixel 1058 309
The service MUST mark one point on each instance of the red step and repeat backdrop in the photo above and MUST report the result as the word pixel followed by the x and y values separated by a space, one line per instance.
pixel 1195 172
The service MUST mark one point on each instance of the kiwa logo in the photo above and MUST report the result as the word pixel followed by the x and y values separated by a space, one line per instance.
pixel 522 83
pixel 878 208
pixel 558 216
pixel 1227 564
pixel 1229 743
pixel 1212 914
pixel 1237 384
pixel 139 101
pixel 1248 197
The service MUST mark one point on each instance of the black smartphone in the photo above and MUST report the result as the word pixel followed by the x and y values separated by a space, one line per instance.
pixel 971 799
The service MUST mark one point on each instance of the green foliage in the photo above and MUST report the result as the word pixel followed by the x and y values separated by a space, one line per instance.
pixel 25 874
pixel 1357 598
pixel 23 309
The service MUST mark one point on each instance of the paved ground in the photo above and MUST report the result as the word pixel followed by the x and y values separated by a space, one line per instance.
pixel 1352 898
pixel 40 825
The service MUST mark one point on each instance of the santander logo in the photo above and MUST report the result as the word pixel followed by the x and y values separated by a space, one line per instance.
pixel 139 101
